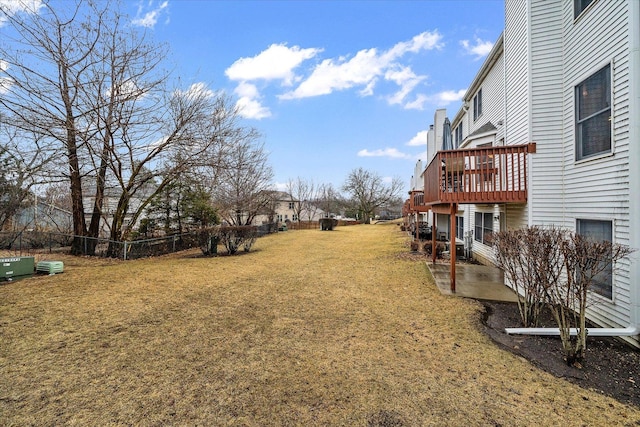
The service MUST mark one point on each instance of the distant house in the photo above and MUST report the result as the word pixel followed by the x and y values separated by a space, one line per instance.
pixel 549 134
pixel 284 208
pixel 41 216
pixel 279 208
pixel 110 204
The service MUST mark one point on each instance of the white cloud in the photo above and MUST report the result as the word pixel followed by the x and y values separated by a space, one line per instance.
pixel 480 49
pixel 281 186
pixel 197 90
pixel 277 62
pixel 421 155
pixel 417 103
pixel 246 90
pixel 249 102
pixel 341 74
pixel 150 18
pixel 424 41
pixel 252 108
pixel 364 69
pixel 449 96
pixel 420 139
pixel 5 82
pixel 406 79
pixel 11 7
pixel 440 99
pixel 387 152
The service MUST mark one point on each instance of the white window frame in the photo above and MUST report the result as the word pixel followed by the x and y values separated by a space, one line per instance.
pixel 477 105
pixel 611 284
pixel 460 227
pixel 578 9
pixel 482 226
pixel 578 147
pixel 458 135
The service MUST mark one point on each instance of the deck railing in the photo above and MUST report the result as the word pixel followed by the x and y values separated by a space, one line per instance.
pixel 478 175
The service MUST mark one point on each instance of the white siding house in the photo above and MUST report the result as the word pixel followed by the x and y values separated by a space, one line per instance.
pixel 478 123
pixel 565 75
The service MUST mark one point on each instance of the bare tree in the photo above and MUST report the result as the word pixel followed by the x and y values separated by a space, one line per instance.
pixel 92 87
pixel 369 191
pixel 143 168
pixel 301 192
pixel 241 178
pixel 25 162
pixel 49 62
pixel 328 199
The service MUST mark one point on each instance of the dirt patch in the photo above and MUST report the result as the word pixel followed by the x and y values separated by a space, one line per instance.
pixel 611 367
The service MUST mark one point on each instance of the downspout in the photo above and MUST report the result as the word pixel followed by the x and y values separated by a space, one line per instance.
pixel 630 331
pixel 634 159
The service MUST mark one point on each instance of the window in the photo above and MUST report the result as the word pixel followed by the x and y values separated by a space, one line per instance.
pixel 460 227
pixel 477 105
pixel 292 205
pixel 484 164
pixel 579 6
pixel 593 115
pixel 599 230
pixel 458 135
pixel 484 227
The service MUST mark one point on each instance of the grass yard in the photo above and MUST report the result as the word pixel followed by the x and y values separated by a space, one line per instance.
pixel 312 328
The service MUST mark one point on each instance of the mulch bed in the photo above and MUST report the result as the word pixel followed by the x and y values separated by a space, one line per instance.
pixel 610 366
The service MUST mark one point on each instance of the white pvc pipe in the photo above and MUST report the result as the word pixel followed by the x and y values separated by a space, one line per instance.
pixel 631 331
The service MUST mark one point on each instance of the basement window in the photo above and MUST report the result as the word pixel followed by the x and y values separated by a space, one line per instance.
pixel 600 231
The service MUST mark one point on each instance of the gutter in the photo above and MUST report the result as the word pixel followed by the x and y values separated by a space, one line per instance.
pixel 630 331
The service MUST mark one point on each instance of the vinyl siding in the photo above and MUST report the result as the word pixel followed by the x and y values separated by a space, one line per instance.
pixel 598 188
pixel 516 68
pixel 547 53
pixel 492 100
pixel 546 103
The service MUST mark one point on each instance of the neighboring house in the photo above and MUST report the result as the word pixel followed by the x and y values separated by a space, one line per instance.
pixel 284 208
pixel 281 208
pixel 110 204
pixel 549 134
pixel 41 216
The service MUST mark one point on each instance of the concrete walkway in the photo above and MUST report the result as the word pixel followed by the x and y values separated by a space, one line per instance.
pixel 472 281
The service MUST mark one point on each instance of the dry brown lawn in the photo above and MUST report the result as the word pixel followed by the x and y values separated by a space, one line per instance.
pixel 313 328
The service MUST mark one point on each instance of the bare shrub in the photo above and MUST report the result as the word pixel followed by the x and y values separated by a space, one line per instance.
pixel 532 261
pixel 584 259
pixel 233 237
pixel 557 268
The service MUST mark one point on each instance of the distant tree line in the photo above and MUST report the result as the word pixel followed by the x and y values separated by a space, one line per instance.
pixel 90 116
pixel 365 195
pixel 87 101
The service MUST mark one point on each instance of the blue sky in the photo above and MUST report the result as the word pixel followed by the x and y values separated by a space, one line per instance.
pixel 331 85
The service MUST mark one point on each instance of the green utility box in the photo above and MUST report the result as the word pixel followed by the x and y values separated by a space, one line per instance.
pixel 16 267
pixel 51 267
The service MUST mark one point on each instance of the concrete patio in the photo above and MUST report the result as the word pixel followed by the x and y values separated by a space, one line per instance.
pixel 472 281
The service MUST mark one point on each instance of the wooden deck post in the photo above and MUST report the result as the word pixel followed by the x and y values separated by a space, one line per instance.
pixel 434 243
pixel 452 245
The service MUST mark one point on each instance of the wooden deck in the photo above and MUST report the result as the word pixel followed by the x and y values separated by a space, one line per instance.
pixel 476 175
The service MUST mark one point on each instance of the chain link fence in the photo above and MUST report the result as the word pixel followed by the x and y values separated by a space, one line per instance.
pixel 37 242
pixel 24 243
